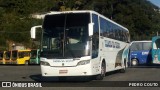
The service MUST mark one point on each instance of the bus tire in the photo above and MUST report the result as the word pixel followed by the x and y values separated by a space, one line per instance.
pixel 103 72
pixel 134 62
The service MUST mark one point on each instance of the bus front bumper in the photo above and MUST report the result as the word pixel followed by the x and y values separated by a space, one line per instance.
pixel 82 70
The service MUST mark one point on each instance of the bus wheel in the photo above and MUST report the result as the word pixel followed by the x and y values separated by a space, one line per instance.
pixel 103 72
pixel 134 62
pixel 26 62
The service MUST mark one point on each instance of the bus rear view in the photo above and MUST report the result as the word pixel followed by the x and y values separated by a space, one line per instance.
pixel 140 53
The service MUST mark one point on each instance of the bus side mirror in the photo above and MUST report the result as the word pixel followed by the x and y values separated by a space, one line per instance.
pixel 33 31
pixel 90 28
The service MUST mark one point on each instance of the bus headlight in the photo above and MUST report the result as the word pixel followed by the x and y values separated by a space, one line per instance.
pixel 45 63
pixel 83 62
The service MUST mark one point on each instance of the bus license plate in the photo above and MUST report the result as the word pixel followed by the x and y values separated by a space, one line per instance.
pixel 63 71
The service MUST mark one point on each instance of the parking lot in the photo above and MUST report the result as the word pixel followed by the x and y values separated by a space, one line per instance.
pixel 33 73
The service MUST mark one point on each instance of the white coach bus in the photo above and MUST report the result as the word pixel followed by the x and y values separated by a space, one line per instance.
pixel 82 43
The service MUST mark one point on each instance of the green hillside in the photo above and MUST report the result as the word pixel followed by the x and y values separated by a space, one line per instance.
pixel 140 16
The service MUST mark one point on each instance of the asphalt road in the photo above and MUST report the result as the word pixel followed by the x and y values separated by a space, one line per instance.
pixel 112 81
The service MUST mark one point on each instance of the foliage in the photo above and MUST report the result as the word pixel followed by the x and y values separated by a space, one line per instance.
pixel 140 16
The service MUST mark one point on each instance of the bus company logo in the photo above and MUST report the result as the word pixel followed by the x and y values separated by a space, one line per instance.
pixel 112 44
pixel 6 84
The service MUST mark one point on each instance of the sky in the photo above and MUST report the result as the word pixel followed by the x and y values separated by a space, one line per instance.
pixel 155 2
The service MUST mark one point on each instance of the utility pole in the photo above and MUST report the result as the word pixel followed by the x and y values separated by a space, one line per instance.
pixel 112 11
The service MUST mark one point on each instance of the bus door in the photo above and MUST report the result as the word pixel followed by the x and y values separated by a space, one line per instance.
pixel 156 50
pixel 14 57
pixel 1 57
pixel 146 53
pixel 7 57
pixel 26 55
pixel 23 57
pixel 35 59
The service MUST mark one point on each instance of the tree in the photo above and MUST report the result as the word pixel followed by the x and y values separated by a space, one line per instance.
pixel 140 16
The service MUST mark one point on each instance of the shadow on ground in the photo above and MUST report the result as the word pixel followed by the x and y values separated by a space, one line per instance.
pixel 146 66
pixel 39 78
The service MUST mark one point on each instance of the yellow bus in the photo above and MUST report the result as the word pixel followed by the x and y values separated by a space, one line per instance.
pixel 2 60
pixel 20 56
pixel 7 57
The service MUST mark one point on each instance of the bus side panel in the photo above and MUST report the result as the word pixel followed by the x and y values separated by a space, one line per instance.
pixel 125 56
pixel 114 56
pixel 143 56
pixel 20 61
pixel 122 56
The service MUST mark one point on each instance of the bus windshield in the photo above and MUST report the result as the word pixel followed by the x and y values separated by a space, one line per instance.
pixel 137 46
pixel 14 55
pixel 1 55
pixel 7 55
pixel 66 35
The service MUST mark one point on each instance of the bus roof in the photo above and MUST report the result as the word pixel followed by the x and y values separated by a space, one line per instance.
pixel 87 11
pixel 140 41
